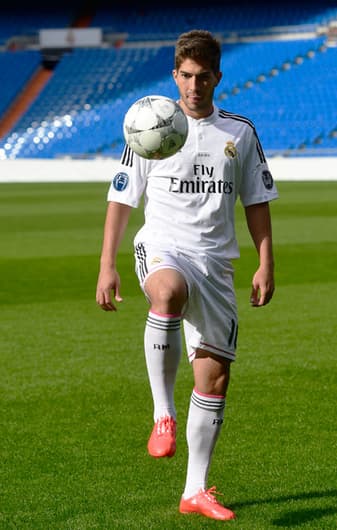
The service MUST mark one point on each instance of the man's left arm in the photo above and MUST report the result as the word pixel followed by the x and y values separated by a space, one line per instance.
pixel 259 224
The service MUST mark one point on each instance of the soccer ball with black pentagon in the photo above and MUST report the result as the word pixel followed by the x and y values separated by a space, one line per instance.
pixel 155 127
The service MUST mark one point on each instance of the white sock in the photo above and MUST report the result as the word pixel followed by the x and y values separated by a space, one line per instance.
pixel 163 347
pixel 204 423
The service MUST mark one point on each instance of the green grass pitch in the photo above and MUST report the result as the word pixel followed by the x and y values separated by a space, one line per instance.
pixel 76 410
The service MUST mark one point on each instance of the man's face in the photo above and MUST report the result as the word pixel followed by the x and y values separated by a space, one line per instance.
pixel 196 82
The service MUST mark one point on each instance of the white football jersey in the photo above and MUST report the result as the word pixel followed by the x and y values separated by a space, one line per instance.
pixel 189 198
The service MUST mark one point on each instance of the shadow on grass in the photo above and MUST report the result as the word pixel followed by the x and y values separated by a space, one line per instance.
pixel 297 517
pixel 300 516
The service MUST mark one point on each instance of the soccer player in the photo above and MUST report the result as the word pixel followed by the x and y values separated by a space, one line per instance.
pixel 184 254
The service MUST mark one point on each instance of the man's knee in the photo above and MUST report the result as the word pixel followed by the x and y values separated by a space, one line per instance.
pixel 167 291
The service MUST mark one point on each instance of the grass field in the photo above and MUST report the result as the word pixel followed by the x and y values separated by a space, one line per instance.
pixel 75 407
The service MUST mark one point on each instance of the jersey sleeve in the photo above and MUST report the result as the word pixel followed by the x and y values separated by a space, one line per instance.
pixel 129 182
pixel 257 184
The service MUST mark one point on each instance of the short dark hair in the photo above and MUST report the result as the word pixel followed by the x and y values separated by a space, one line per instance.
pixel 198 44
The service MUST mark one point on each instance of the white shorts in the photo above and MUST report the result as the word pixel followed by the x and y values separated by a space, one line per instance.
pixel 210 315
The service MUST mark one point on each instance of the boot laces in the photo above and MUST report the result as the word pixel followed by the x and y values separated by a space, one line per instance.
pixel 165 425
pixel 210 494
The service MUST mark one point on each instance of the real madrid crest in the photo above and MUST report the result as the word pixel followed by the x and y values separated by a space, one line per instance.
pixel 230 150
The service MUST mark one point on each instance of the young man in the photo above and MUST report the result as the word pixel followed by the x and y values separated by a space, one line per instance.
pixel 183 258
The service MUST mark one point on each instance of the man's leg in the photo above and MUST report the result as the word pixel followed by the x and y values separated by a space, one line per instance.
pixel 167 293
pixel 205 419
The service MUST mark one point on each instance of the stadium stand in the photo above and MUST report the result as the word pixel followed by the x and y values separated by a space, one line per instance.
pixel 15 70
pixel 278 69
pixel 25 21
pixel 151 24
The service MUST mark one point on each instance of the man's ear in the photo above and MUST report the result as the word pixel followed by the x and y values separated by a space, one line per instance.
pixel 219 77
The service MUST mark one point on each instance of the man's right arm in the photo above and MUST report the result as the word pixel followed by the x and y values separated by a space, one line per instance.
pixel 116 221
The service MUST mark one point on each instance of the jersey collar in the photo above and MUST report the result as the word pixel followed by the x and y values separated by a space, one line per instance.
pixel 207 121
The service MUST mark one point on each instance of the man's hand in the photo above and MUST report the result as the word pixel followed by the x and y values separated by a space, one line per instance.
pixel 262 287
pixel 108 281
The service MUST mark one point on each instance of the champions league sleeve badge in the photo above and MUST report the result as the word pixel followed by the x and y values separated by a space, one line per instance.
pixel 120 181
pixel 267 179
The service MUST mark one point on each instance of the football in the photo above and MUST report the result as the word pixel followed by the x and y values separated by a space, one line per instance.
pixel 155 127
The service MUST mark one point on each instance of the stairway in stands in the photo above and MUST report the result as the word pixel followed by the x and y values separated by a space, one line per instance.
pixel 24 100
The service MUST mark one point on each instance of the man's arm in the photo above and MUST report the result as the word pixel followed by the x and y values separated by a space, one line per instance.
pixel 116 220
pixel 259 224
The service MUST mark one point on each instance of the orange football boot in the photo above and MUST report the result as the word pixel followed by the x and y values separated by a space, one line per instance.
pixel 162 441
pixel 206 504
